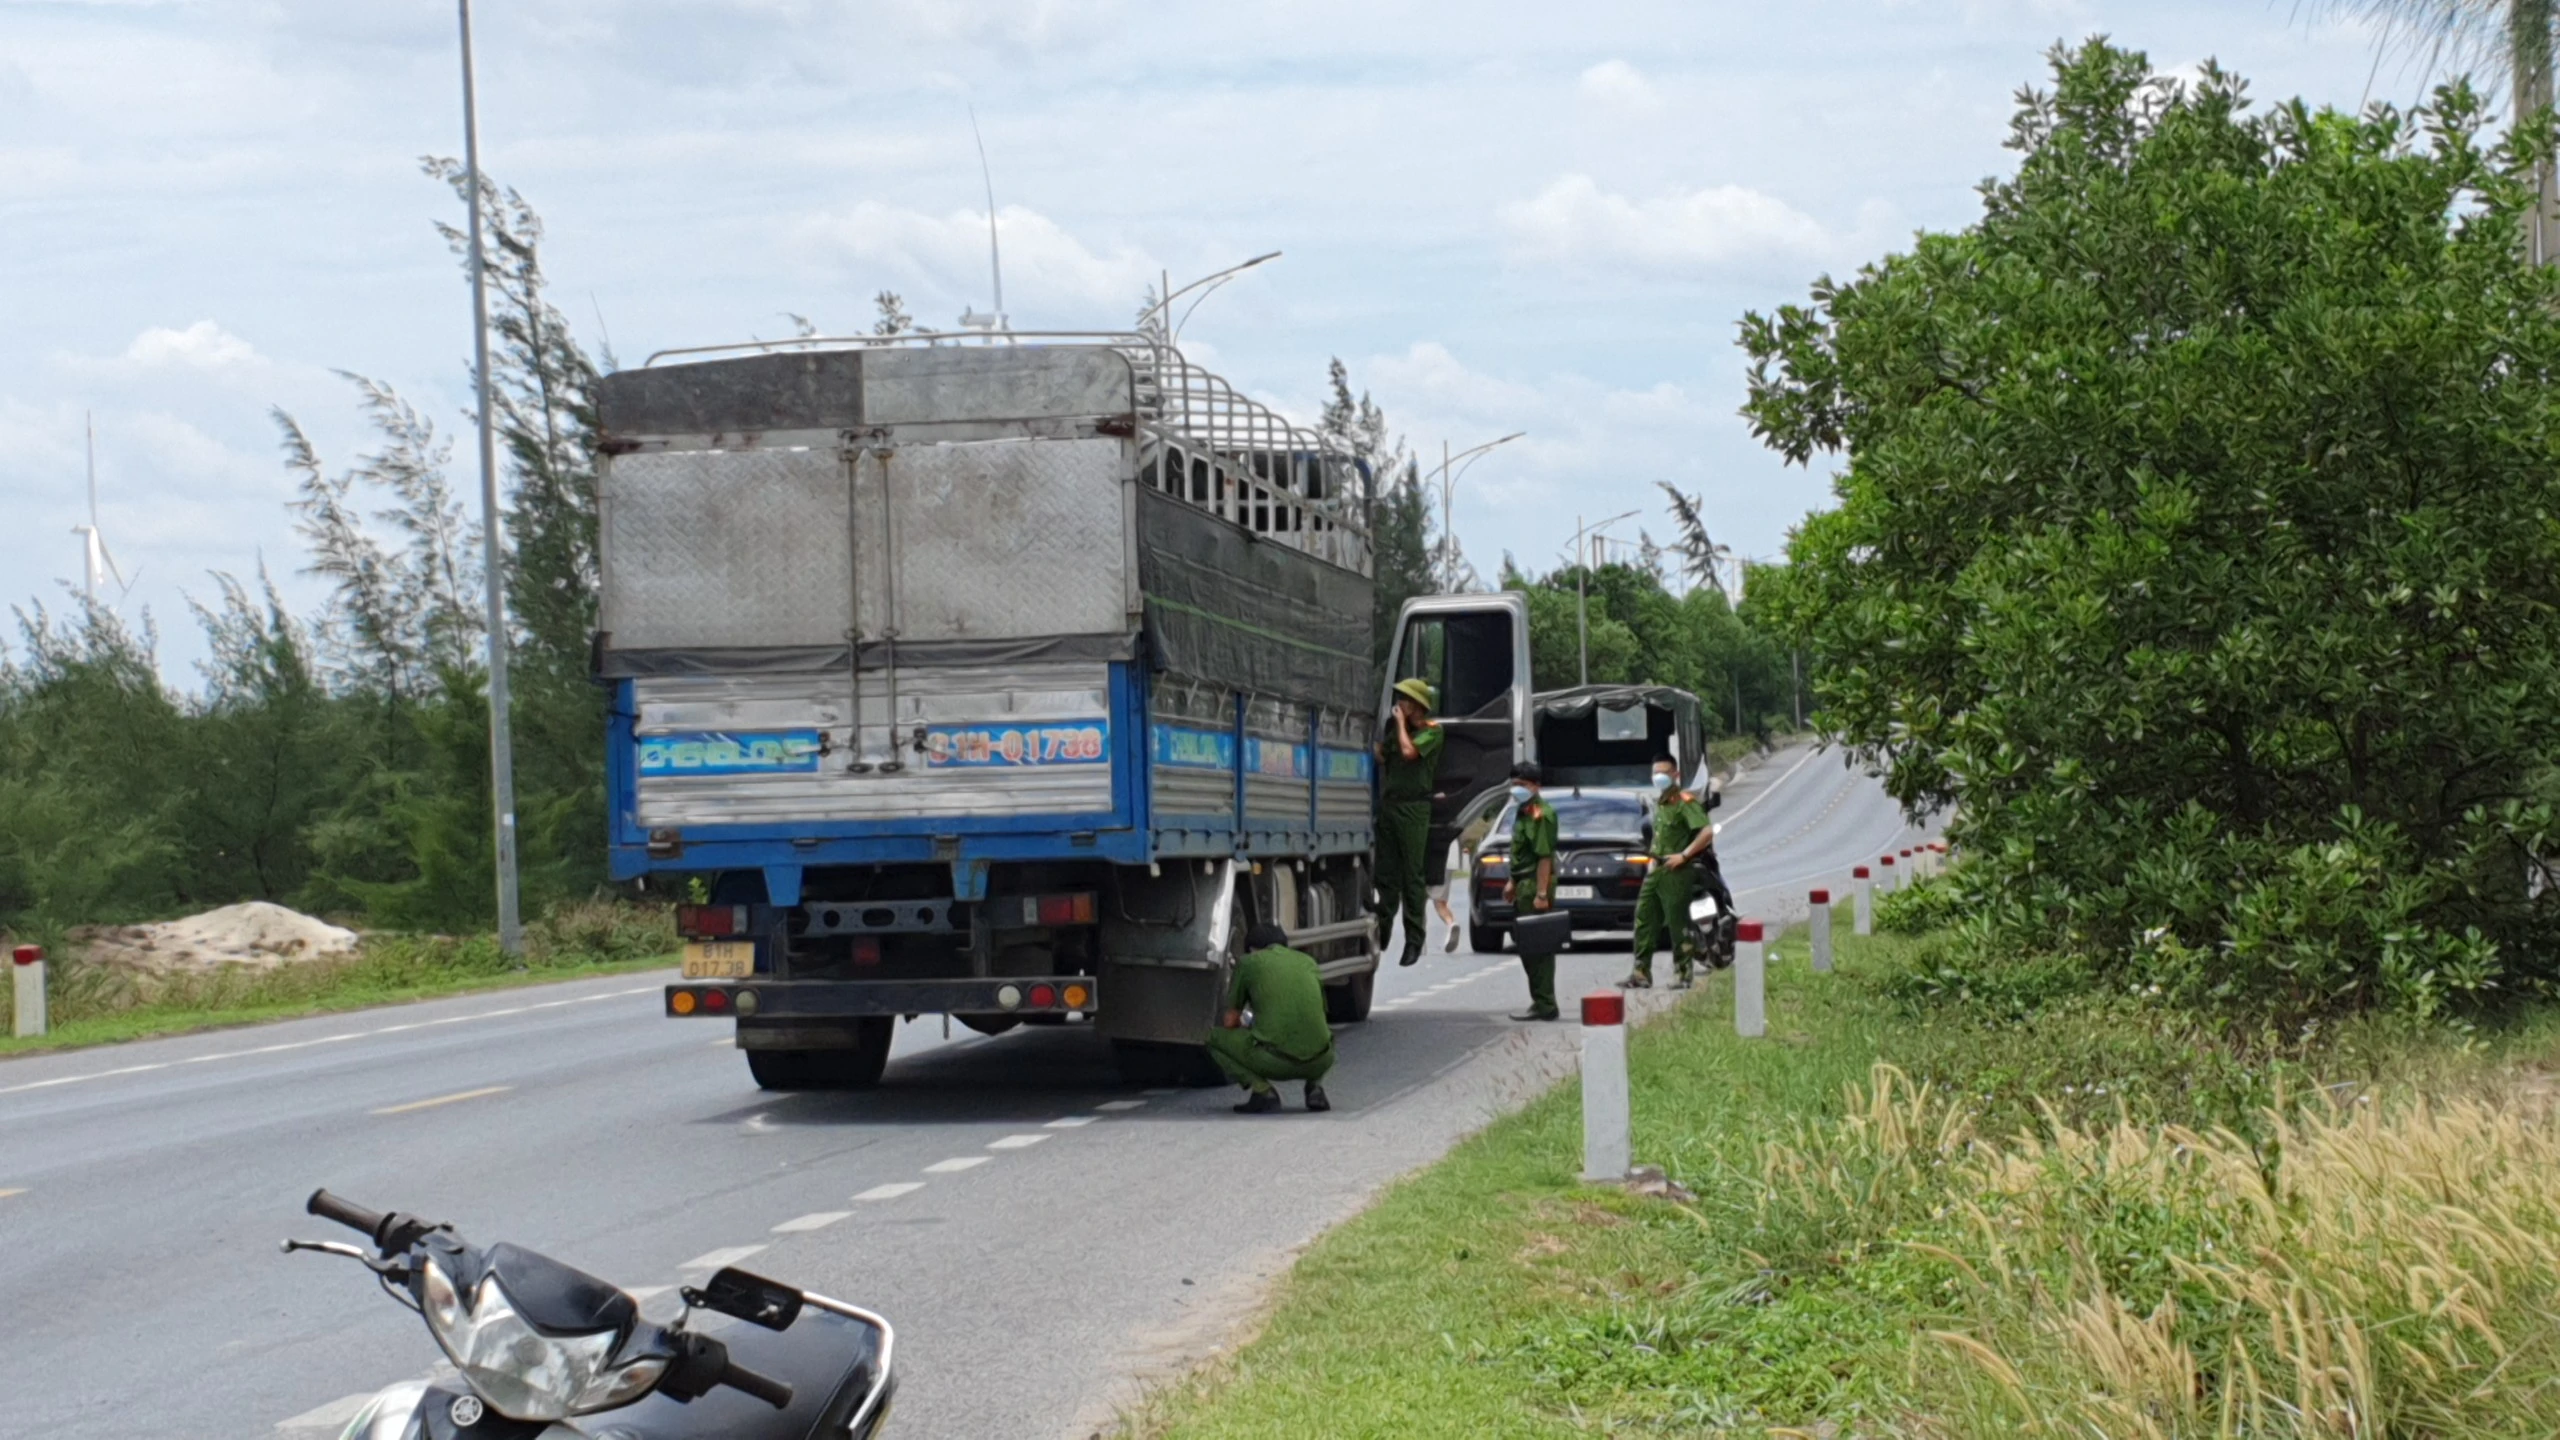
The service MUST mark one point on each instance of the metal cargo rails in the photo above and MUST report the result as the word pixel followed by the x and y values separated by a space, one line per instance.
pixel 1056 598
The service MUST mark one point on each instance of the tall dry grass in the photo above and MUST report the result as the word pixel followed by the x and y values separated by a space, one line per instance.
pixel 2362 1270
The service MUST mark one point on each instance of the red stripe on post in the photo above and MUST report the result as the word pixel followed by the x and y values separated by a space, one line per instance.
pixel 27 954
pixel 1608 1007
pixel 1859 874
pixel 1821 897
pixel 1748 932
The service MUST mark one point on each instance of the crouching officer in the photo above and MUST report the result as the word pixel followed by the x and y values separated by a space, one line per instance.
pixel 1288 1039
pixel 1681 835
pixel 1409 758
pixel 1531 886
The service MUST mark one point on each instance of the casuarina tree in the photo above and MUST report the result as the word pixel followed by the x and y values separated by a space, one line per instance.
pixel 2197 537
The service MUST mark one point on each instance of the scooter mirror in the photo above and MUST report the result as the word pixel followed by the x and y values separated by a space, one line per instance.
pixel 751 1298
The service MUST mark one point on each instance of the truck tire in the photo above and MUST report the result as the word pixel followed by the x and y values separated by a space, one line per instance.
pixel 1487 939
pixel 1348 1002
pixel 783 1069
pixel 1154 1063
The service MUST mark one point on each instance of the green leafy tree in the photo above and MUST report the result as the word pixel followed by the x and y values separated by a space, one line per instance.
pixel 1401 547
pixel 2195 534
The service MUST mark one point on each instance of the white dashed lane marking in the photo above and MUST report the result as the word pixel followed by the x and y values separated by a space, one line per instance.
pixel 718 1259
pixel 818 1221
pixel 485 1090
pixel 1016 1142
pixel 956 1164
pixel 323 1040
pixel 1120 1105
pixel 891 1191
pixel 1069 1122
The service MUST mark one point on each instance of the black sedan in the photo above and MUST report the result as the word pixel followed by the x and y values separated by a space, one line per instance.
pixel 1600 864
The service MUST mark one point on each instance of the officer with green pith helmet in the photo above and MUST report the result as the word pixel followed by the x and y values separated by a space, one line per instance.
pixel 1681 834
pixel 1531 887
pixel 1409 770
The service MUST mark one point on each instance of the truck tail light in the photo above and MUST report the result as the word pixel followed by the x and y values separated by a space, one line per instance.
pixel 1075 909
pixel 1043 996
pixel 710 922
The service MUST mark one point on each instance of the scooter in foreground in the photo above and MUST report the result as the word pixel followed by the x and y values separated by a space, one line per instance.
pixel 540 1349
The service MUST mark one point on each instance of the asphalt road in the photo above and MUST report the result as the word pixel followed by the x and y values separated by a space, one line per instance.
pixel 1045 1239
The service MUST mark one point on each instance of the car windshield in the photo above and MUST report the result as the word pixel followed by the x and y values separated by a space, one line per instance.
pixel 1588 815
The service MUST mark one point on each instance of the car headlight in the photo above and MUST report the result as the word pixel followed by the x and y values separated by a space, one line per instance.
pixel 519 1371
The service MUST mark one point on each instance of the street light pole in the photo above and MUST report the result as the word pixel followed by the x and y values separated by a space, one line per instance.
pixel 502 765
pixel 1164 282
pixel 1448 488
pixel 1582 582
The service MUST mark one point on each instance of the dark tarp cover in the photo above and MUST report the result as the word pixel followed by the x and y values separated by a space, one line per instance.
pixel 1569 739
pixel 1226 607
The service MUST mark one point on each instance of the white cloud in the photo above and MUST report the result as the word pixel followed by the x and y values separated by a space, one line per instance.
pixel 1678 233
pixel 1615 82
pixel 201 346
pixel 1052 279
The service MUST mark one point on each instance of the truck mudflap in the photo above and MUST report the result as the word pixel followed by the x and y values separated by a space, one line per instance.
pixel 791 1000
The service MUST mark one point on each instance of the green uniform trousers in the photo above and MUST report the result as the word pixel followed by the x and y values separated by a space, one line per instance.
pixel 1542 984
pixel 1404 881
pixel 1254 1065
pixel 1662 918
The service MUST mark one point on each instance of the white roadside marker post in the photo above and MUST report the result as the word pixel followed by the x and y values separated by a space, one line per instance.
pixel 1888 882
pixel 1750 982
pixel 1865 922
pixel 1910 867
pixel 1606 1153
pixel 29 995
pixel 1819 924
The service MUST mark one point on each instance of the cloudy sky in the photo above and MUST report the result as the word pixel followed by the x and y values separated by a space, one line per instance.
pixel 1502 214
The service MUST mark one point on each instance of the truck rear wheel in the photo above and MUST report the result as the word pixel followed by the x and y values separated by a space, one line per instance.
pixel 1153 1062
pixel 1348 1002
pixel 854 1068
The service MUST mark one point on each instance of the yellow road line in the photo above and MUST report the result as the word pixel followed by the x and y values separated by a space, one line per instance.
pixel 442 1100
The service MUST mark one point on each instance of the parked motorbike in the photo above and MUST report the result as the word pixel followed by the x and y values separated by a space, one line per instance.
pixel 542 1350
pixel 1711 930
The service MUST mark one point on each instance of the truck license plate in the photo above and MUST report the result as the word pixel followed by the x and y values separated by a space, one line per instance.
pixel 1576 892
pixel 719 959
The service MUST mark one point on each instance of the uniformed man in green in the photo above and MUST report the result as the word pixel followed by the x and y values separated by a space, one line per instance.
pixel 1409 760
pixel 1531 885
pixel 1288 1039
pixel 1681 833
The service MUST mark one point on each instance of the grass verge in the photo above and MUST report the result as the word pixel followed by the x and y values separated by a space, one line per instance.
pixel 1945 1220
pixel 97 1005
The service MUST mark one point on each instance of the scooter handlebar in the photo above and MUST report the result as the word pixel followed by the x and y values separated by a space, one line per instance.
pixel 354 1217
pixel 763 1387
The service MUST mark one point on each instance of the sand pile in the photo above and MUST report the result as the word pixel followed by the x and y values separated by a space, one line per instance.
pixel 256 934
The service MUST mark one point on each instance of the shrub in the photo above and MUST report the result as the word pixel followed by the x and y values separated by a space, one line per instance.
pixel 2193 532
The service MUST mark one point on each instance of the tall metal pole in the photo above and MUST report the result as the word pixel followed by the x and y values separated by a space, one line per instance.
pixel 502 763
pixel 1448 557
pixel 1582 597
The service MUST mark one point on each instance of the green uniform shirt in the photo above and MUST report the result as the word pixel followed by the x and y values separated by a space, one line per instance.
pixel 1533 838
pixel 1677 820
pixel 1412 779
pixel 1285 992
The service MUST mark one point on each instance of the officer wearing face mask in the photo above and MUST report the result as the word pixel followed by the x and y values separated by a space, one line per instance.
pixel 1683 857
pixel 1532 883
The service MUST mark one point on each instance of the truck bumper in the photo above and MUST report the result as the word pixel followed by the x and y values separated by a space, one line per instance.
pixel 756 1002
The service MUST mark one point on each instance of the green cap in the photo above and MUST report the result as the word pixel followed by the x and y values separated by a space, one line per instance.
pixel 1418 691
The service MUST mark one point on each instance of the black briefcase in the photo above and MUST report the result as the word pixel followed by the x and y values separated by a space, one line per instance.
pixel 1542 933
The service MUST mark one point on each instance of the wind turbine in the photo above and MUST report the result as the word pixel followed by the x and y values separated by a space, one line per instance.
pixel 100 564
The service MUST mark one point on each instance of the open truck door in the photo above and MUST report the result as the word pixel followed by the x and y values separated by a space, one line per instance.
pixel 1473 650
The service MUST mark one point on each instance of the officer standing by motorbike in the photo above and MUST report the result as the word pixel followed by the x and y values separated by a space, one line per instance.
pixel 1409 760
pixel 1531 886
pixel 1683 857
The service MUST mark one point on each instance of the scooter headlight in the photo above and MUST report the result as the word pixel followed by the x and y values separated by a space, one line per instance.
pixel 518 1370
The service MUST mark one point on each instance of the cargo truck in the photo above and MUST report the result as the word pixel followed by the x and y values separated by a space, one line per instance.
pixel 1005 678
